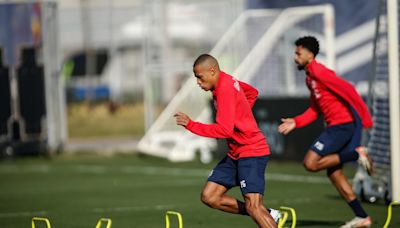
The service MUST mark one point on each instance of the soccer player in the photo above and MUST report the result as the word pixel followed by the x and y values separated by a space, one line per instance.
pixel 248 154
pixel 345 114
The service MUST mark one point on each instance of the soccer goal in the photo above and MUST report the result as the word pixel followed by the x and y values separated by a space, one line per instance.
pixel 383 139
pixel 259 44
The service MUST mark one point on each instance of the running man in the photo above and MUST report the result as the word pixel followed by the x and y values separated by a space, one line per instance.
pixel 248 154
pixel 345 114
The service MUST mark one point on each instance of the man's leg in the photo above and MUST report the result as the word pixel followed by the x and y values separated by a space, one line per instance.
pixel 314 162
pixel 344 188
pixel 214 195
pixel 341 183
pixel 333 147
pixel 257 211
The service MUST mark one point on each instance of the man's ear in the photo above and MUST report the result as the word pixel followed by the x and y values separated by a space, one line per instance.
pixel 212 71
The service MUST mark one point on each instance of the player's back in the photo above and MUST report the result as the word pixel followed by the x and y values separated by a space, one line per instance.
pixel 247 139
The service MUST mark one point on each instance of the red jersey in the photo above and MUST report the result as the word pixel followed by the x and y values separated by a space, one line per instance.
pixel 233 101
pixel 332 97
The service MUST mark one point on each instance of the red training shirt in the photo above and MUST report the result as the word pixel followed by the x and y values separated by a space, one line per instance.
pixel 332 97
pixel 233 101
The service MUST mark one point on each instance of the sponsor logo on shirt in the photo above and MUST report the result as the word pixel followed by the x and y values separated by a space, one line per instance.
pixel 236 84
pixel 319 145
pixel 316 92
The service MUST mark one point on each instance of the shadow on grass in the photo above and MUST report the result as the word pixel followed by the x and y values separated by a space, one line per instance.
pixel 317 223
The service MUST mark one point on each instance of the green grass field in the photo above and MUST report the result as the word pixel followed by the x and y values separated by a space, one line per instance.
pixel 136 191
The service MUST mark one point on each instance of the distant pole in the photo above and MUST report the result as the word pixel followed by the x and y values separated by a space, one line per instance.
pixel 156 57
pixel 167 79
pixel 329 30
pixel 87 45
pixel 148 55
pixel 115 77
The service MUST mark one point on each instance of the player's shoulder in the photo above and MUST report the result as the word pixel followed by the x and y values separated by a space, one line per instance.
pixel 318 69
pixel 230 83
pixel 316 66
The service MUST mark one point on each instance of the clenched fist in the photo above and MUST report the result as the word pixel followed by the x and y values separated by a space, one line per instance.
pixel 182 119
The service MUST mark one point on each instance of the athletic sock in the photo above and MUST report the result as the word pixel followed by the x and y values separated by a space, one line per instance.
pixel 275 214
pixel 357 209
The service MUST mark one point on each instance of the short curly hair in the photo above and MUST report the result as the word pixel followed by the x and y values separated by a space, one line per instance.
pixel 309 42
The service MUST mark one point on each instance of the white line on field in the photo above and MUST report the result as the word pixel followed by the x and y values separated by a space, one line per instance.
pixel 25 169
pixel 91 169
pixel 296 178
pixel 289 201
pixel 154 170
pixel 22 214
pixel 136 208
pixel 151 170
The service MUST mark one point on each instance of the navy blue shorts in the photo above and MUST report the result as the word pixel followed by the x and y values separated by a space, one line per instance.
pixel 248 173
pixel 341 138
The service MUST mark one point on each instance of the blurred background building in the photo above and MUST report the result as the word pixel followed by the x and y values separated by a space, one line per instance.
pixel 140 53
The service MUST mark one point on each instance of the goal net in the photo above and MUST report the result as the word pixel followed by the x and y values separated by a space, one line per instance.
pixel 382 103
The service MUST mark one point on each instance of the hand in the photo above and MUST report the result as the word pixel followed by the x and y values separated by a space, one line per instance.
pixel 287 126
pixel 182 119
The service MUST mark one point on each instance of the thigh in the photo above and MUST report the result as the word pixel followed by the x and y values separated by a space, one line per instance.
pixel 333 139
pixel 225 173
pixel 312 157
pixel 251 172
pixel 214 189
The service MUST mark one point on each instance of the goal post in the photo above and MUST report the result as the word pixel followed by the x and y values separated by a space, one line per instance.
pixel 393 65
pixel 382 140
pixel 254 40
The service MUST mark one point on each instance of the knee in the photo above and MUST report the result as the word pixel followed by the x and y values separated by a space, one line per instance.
pixel 209 200
pixel 252 208
pixel 310 166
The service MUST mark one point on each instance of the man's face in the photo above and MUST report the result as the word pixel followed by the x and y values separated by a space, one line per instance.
pixel 302 57
pixel 206 76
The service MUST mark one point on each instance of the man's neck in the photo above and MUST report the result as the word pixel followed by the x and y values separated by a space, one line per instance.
pixel 306 67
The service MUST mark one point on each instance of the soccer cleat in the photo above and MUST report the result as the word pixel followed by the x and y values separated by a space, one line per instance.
pixel 365 160
pixel 358 222
pixel 275 214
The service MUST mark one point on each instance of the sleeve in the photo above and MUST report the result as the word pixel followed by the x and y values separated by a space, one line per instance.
pixel 307 117
pixel 225 116
pixel 250 92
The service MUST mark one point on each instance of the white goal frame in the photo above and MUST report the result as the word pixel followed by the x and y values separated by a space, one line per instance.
pixel 185 145
pixel 393 61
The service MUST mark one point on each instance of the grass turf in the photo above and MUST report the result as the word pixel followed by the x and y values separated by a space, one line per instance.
pixel 135 191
